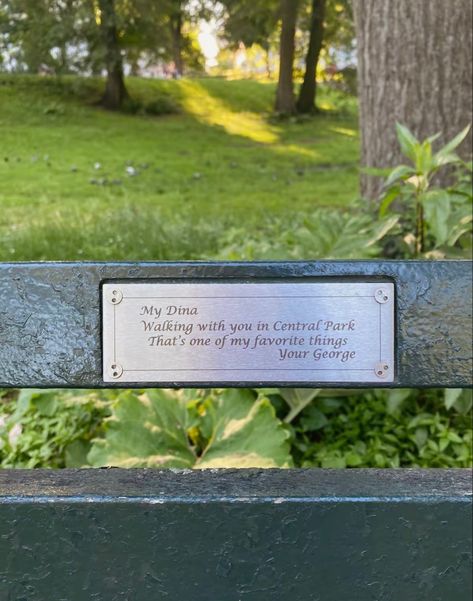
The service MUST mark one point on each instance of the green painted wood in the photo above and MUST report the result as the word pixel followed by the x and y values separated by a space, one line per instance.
pixel 244 535
pixel 50 331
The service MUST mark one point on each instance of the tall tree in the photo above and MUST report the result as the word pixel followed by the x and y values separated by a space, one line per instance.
pixel 251 22
pixel 115 91
pixel 307 94
pixel 285 99
pixel 176 21
pixel 414 67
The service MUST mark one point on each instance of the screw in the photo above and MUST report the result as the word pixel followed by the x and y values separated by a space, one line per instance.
pixel 381 370
pixel 381 296
pixel 116 370
pixel 116 296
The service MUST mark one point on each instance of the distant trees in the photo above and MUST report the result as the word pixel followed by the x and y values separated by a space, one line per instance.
pixel 111 36
pixel 328 22
pixel 61 36
pixel 37 33
pixel 285 100
pixel 414 67
pixel 251 22
pixel 306 100
pixel 115 91
pixel 176 22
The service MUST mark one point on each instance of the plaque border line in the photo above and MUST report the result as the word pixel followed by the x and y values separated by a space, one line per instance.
pixel 249 369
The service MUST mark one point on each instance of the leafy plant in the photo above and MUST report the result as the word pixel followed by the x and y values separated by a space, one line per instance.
pixel 377 428
pixel 321 234
pixel 48 428
pixel 185 429
pixel 236 428
pixel 439 217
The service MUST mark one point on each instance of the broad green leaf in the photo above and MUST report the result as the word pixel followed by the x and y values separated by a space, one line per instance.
pixel 155 429
pixel 398 172
pixel 437 211
pixel 297 399
pixel 245 433
pixel 424 164
pixel 353 459
pixel 421 436
pixel 45 400
pixel 395 399
pixel 383 228
pixel 451 395
pixel 76 453
pixel 453 437
pixel 388 199
pixel 46 403
pixel 267 391
pixel 454 142
pixel 436 136
pixel 23 402
pixel 147 430
pixel 313 419
pixel 407 141
pixel 440 160
pixel 464 402
pixel 333 462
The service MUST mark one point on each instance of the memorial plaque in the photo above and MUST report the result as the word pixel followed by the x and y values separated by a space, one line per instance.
pixel 217 333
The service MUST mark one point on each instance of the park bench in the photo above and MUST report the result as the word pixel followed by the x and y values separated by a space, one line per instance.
pixel 236 535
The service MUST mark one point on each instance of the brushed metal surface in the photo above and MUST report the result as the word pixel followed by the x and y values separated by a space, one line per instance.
pixel 232 332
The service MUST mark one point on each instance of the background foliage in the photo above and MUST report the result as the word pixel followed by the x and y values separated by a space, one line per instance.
pixel 236 428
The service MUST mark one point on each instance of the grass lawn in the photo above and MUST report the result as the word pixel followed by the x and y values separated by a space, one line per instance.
pixel 77 182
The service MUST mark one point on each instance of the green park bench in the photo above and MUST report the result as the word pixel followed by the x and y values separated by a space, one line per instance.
pixel 236 535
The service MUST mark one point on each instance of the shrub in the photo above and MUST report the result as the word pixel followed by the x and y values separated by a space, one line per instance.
pixel 435 222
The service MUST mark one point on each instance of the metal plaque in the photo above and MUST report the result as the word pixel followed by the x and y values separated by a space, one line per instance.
pixel 215 333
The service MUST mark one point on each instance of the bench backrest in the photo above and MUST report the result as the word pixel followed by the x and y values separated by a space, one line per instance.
pixel 51 331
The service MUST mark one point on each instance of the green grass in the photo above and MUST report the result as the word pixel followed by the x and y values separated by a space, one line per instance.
pixel 220 162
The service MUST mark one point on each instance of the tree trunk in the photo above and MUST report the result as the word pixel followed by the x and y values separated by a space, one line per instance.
pixel 285 101
pixel 176 34
pixel 414 66
pixel 307 94
pixel 267 59
pixel 115 91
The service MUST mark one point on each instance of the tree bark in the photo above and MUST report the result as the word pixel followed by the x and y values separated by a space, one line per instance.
pixel 306 102
pixel 285 101
pixel 115 91
pixel 267 59
pixel 414 66
pixel 176 34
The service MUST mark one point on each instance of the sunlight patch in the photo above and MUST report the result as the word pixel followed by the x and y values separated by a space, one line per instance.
pixel 345 131
pixel 200 103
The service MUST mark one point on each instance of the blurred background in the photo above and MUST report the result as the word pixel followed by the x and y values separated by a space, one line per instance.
pixel 235 130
